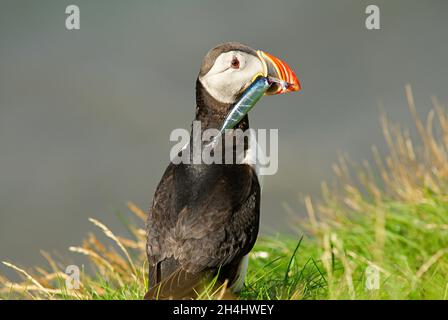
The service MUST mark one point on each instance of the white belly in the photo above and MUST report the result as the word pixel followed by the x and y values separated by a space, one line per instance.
pixel 241 274
pixel 253 156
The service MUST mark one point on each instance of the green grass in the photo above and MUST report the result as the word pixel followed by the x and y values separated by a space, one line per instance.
pixel 409 250
pixel 389 217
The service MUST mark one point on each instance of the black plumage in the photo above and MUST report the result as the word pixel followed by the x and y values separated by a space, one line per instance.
pixel 203 218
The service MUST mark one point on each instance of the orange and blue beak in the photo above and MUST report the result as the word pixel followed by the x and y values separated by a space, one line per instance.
pixel 283 78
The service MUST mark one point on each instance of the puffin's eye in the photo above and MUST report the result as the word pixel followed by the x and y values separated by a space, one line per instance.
pixel 235 64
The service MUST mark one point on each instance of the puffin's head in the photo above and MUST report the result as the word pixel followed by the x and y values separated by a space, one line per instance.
pixel 229 68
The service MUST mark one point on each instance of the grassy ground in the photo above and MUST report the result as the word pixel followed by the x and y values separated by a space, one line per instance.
pixel 379 231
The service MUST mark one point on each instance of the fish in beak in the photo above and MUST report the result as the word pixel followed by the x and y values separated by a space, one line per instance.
pixel 279 73
pixel 277 78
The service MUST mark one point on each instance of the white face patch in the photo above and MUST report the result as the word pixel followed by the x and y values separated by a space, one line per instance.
pixel 224 81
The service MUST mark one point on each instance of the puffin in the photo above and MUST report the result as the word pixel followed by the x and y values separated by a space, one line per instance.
pixel 204 218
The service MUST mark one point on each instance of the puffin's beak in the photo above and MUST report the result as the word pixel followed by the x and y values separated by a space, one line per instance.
pixel 283 78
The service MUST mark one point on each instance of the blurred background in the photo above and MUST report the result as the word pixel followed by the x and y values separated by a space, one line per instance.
pixel 85 116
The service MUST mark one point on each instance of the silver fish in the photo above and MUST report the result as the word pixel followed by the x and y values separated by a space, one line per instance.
pixel 247 101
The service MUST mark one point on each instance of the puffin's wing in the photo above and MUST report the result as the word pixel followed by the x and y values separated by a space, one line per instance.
pixel 159 223
pixel 213 230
